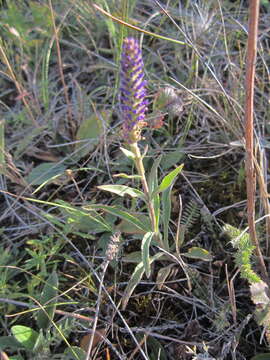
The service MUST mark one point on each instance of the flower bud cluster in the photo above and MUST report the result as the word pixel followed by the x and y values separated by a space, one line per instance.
pixel 133 91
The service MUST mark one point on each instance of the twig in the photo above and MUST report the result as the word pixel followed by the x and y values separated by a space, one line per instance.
pixel 249 128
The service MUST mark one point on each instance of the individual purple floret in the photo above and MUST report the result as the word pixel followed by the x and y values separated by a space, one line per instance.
pixel 133 91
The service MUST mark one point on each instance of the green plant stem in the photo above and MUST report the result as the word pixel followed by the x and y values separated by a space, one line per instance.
pixel 140 168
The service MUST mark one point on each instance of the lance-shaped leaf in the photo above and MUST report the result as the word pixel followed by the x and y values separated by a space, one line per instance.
pixel 136 278
pixel 122 214
pixel 122 190
pixel 146 241
pixel 168 179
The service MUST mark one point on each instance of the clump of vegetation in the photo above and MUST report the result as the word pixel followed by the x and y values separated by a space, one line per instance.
pixel 124 182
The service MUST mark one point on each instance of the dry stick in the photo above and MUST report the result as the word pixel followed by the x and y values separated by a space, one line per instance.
pixel 60 65
pixel 249 108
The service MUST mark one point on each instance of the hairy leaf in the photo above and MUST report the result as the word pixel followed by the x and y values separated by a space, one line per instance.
pixel 146 241
pixel 122 190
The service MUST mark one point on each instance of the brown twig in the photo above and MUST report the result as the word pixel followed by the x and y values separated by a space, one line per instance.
pixel 249 128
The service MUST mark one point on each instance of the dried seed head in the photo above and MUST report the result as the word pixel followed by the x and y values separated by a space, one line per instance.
pixel 173 101
pixel 133 91
pixel 113 246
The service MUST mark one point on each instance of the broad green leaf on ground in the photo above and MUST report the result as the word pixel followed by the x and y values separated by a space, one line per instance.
pixel 198 253
pixel 157 350
pixel 168 180
pixel 26 142
pixel 135 279
pixel 26 336
pixel 265 356
pixel 44 173
pixel 122 190
pixel 89 132
pixel 146 241
pixel 48 301
pixel 74 353
pixel 122 214
pixel 9 342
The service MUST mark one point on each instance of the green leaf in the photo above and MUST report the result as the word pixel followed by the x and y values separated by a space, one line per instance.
pixel 265 356
pixel 89 132
pixel 129 228
pixel 152 180
pixel 44 173
pixel 83 221
pixel 48 300
pixel 157 350
pixel 27 140
pixel 121 214
pixel 74 353
pixel 146 241
pixel 166 214
pixel 135 279
pixel 129 154
pixel 168 179
pixel 198 253
pixel 153 184
pixel 133 257
pixel 9 342
pixel 25 336
pixel 122 190
pixel 126 176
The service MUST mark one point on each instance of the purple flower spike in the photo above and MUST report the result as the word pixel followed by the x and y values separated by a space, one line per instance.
pixel 133 91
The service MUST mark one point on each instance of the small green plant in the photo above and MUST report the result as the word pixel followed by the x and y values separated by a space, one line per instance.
pixel 155 196
pixel 36 344
pixel 258 288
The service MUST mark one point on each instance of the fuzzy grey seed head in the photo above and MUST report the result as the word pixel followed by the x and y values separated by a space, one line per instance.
pixel 113 246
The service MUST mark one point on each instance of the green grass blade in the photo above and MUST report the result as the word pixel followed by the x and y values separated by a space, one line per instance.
pixel 139 29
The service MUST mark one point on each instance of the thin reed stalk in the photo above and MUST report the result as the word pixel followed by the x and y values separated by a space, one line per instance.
pixel 249 129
